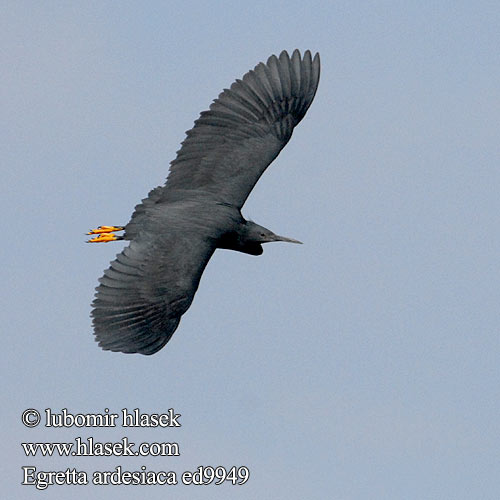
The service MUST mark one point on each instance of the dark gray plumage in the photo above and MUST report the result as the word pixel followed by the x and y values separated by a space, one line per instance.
pixel 175 230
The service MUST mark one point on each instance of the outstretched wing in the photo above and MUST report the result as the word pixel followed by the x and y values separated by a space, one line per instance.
pixel 247 126
pixel 146 290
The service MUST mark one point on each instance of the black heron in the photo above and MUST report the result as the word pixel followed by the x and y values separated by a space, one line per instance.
pixel 176 229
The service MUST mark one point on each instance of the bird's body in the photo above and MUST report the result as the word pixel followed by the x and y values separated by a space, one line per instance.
pixel 176 229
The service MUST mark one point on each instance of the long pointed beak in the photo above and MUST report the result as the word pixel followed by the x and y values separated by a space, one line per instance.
pixel 288 240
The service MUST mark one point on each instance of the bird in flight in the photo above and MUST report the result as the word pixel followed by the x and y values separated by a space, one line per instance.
pixel 176 229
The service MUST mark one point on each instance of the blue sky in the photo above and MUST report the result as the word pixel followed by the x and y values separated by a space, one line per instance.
pixel 362 364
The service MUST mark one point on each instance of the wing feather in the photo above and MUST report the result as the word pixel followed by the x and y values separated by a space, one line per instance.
pixel 245 128
pixel 139 311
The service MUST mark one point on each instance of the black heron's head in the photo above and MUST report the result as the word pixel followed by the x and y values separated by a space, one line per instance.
pixel 253 235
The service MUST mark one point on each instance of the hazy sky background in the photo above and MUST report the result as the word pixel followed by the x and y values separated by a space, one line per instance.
pixel 363 364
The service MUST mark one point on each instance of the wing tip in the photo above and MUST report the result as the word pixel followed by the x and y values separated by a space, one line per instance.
pixel 135 342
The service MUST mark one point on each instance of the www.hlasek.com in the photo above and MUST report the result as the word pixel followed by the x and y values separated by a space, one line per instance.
pixel 91 448
pixel 84 447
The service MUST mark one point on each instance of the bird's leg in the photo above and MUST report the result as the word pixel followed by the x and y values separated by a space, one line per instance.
pixel 105 234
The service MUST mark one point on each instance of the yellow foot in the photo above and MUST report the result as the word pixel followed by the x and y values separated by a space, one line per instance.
pixel 104 238
pixel 106 229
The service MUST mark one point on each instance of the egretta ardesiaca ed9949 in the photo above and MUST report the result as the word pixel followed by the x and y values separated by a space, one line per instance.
pixel 176 229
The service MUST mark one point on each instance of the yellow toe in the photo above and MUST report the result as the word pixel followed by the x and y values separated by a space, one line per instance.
pixel 106 229
pixel 104 238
